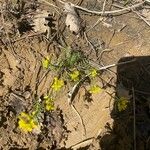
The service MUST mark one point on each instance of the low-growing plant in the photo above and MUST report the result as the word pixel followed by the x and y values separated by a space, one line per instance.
pixel 49 103
pixel 122 103
pixel 46 62
pixel 95 89
pixel 71 68
pixel 28 122
pixel 74 75
pixel 93 72
pixel 57 84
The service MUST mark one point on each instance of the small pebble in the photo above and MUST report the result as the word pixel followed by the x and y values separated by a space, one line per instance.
pixel 27 95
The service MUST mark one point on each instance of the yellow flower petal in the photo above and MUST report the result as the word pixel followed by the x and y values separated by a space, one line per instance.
pixel 95 89
pixel 24 126
pixel 46 97
pixel 49 107
pixel 25 116
pixel 93 72
pixel 75 75
pixel 49 103
pixel 46 63
pixel 26 122
pixel 122 103
pixel 57 84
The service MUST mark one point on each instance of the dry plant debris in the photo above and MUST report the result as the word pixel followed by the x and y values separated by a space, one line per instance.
pixel 72 19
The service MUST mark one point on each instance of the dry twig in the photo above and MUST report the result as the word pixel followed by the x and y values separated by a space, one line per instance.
pixel 138 14
pixel 134 121
pixel 81 120
pixel 7 35
pixel 85 142
pixel 86 38
pixel 27 36
pixel 100 18
pixel 50 4
pixel 106 12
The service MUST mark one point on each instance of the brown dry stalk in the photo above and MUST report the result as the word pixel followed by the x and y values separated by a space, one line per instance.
pixel 138 14
pixel 134 121
pixel 106 12
pixel 81 120
pixel 50 4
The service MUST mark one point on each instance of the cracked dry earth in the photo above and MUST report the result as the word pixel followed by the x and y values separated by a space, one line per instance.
pixel 122 36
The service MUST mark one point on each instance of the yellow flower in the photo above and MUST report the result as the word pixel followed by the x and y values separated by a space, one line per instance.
pixel 49 103
pixel 74 75
pixel 46 63
pixel 27 123
pixel 34 113
pixel 93 73
pixel 57 84
pixel 122 103
pixel 95 89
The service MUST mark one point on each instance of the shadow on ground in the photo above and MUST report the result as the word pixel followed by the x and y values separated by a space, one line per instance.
pixel 131 128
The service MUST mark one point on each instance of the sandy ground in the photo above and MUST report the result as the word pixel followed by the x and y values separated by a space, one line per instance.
pixel 121 36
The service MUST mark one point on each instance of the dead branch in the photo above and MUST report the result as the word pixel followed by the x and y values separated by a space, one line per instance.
pixel 100 19
pixel 91 45
pixel 134 121
pixel 106 12
pixel 50 4
pixel 81 120
pixel 138 14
